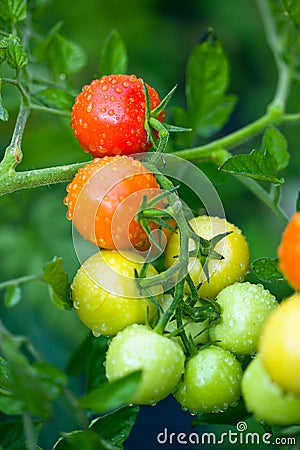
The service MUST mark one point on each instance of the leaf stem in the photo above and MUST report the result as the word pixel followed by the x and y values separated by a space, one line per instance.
pixel 275 44
pixel 273 116
pixel 29 431
pixel 17 281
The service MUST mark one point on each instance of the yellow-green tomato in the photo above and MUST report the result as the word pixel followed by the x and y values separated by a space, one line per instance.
pixel 245 307
pixel 222 272
pixel 105 293
pixel 160 359
pixel 211 381
pixel 267 400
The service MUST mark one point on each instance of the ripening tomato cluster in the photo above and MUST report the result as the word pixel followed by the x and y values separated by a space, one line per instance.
pixel 103 200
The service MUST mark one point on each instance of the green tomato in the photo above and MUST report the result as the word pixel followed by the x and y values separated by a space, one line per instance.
pixel 160 359
pixel 105 293
pixel 211 381
pixel 234 249
pixel 267 400
pixel 245 307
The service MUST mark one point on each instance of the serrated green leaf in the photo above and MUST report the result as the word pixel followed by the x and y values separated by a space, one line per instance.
pixel 267 270
pixel 15 10
pixel 16 55
pixel 78 440
pixel 114 55
pixel 56 98
pixel 292 7
pixel 207 80
pixel 116 427
pixel 12 435
pixel 261 166
pixel 12 296
pixel 58 281
pixel 110 396
pixel 276 144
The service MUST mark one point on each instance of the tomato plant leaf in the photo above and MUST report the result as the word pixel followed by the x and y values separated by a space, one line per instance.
pixel 15 10
pixel 78 440
pixel 266 269
pixel 114 55
pixel 58 281
pixel 12 296
pixel 16 55
pixel 63 56
pixel 34 386
pixel 57 98
pixel 5 380
pixel 112 395
pixel 275 143
pixel 261 166
pixel 12 435
pixel 207 80
pixel 89 358
pixel 116 426
pixel 292 7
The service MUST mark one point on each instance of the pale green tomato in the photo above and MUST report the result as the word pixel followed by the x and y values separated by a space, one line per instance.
pixel 267 400
pixel 211 381
pixel 105 293
pixel 234 249
pixel 245 307
pixel 161 360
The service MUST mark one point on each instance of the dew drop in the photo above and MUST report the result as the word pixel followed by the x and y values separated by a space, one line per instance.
pixel 76 304
pixel 89 107
pixel 95 332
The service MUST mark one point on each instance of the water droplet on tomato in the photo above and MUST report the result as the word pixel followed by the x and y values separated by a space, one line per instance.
pixel 89 107
pixel 96 332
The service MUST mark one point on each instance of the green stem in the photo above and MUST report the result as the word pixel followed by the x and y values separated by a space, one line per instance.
pixel 29 431
pixel 265 197
pixel 80 414
pixel 15 181
pixel 233 139
pixel 45 109
pixel 275 44
pixel 21 280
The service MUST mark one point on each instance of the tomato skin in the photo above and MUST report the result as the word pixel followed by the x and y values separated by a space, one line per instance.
pixel 267 400
pixel 245 308
pixel 233 247
pixel 279 345
pixel 104 197
pixel 108 116
pixel 105 293
pixel 289 252
pixel 211 381
pixel 161 360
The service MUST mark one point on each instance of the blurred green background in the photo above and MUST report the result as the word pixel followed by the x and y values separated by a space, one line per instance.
pixel 159 35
